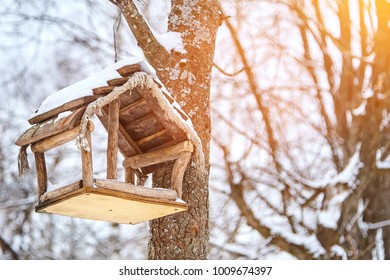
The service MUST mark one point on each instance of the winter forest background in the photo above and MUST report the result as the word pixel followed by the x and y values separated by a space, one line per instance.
pixel 300 104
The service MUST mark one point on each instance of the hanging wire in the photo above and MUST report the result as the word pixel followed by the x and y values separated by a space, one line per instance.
pixel 115 28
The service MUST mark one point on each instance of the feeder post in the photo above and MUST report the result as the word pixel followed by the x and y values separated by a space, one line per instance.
pixel 178 172
pixel 86 159
pixel 112 145
pixel 40 164
pixel 129 175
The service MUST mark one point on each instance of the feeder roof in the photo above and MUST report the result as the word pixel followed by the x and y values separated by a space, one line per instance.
pixel 148 119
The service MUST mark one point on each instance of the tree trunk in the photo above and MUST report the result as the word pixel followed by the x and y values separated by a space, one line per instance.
pixel 188 76
pixel 378 192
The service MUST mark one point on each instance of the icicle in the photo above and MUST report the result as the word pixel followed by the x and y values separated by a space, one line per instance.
pixel 23 165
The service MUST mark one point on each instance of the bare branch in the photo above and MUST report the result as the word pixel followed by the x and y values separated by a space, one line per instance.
pixel 6 248
pixel 225 73
pixel 143 34
pixel 113 2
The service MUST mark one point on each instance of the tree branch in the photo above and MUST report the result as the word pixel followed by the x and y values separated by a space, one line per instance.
pixel 143 34
pixel 5 247
pixel 226 73
pixel 255 91
pixel 237 194
pixel 113 2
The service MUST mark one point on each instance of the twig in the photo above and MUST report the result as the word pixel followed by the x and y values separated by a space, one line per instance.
pixel 228 74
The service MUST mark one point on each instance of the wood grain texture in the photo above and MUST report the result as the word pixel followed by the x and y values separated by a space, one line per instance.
pixel 50 128
pixel 70 106
pixel 86 160
pixel 167 194
pixel 127 146
pixel 102 90
pixel 59 192
pixel 177 134
pixel 178 172
pixel 158 156
pixel 112 144
pixel 111 206
pixel 40 165
pixel 127 70
pixel 54 141
pixel 129 175
pixel 151 137
pixel 117 82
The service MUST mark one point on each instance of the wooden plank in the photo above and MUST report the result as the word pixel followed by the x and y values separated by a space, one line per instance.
pixel 125 147
pixel 151 137
pixel 134 112
pixel 158 156
pixel 102 90
pixel 112 144
pixel 128 98
pixel 129 140
pixel 117 82
pixel 54 141
pixel 132 105
pixel 156 142
pixel 163 146
pixel 141 119
pixel 111 206
pixel 60 191
pixel 40 165
pixel 178 172
pixel 129 175
pixel 49 128
pixel 177 133
pixel 127 70
pixel 86 160
pixel 166 194
pixel 144 126
pixel 70 106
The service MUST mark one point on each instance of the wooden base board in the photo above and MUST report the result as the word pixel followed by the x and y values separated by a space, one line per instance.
pixel 110 206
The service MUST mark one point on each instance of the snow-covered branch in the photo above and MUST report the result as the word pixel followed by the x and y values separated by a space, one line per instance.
pixel 142 32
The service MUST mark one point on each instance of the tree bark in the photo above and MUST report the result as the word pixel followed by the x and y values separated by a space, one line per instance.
pixel 378 193
pixel 187 76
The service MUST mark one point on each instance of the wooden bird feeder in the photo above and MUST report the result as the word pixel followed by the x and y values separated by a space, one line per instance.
pixel 142 123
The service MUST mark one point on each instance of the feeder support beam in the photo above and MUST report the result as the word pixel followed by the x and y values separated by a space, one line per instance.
pixel 112 145
pixel 86 159
pixel 178 172
pixel 40 165
pixel 158 156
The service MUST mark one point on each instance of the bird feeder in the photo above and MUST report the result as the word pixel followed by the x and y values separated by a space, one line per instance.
pixel 142 121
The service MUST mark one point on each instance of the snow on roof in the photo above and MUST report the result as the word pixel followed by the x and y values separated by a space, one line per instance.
pixel 84 87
